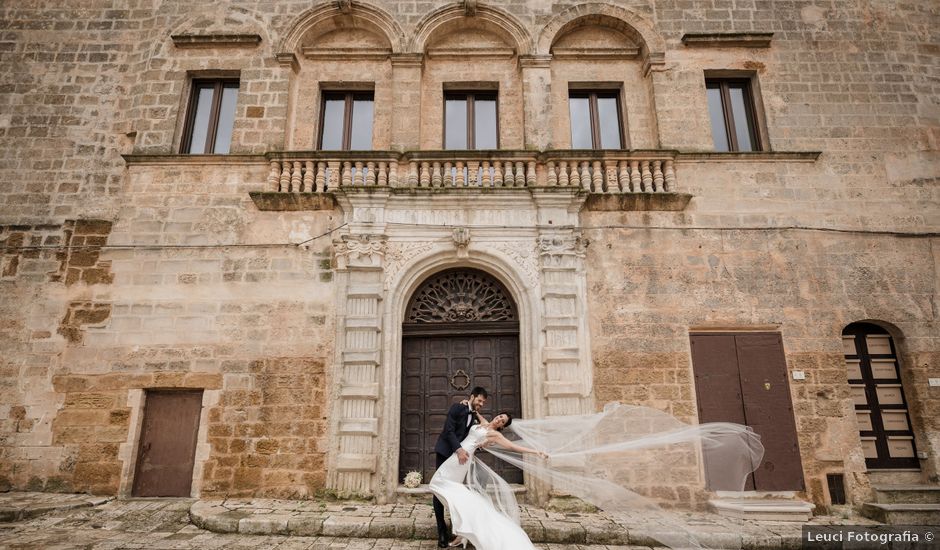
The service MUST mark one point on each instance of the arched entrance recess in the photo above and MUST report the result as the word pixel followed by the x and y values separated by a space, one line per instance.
pixel 874 374
pixel 461 329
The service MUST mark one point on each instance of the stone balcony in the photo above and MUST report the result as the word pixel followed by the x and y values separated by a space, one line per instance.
pixel 608 180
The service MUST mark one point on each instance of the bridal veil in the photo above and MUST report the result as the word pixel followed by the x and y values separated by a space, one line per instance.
pixel 628 460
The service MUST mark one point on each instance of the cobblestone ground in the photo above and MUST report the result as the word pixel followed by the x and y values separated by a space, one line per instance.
pixel 164 524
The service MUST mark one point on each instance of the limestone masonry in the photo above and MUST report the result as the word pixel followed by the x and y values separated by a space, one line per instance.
pixel 766 220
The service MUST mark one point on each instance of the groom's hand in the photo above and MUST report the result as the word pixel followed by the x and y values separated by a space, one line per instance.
pixel 462 455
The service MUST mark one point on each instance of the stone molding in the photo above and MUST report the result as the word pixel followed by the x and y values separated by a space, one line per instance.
pixel 728 39
pixel 502 21
pixel 643 32
pixel 361 251
pixel 216 40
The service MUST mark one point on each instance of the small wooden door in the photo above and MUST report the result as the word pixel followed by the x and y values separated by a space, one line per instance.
pixel 742 378
pixel 884 424
pixel 167 449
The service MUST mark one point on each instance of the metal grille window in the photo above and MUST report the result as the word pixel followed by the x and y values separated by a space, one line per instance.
pixel 346 121
pixel 596 121
pixel 732 111
pixel 471 120
pixel 211 117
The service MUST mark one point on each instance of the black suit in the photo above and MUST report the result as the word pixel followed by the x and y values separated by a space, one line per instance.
pixel 455 430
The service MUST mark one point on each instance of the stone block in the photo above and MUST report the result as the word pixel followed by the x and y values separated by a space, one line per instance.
pixel 346 526
pixel 264 524
pixel 305 525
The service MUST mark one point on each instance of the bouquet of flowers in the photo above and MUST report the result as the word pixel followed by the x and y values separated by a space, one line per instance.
pixel 412 480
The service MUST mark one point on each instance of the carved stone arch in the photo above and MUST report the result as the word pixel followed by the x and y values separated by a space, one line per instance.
pixel 450 17
pixel 331 16
pixel 461 295
pixel 635 27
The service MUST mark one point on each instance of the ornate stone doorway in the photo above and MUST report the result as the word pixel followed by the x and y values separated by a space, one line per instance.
pixel 461 329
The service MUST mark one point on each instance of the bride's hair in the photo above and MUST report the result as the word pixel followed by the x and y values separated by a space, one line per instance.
pixel 508 421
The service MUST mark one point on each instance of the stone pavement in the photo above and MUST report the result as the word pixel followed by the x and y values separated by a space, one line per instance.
pixel 166 523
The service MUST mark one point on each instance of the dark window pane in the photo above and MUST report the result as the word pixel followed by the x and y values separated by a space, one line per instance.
pixel 200 130
pixel 739 112
pixel 333 112
pixel 455 122
pixel 580 112
pixel 361 139
pixel 715 110
pixel 223 134
pixel 484 130
pixel 609 120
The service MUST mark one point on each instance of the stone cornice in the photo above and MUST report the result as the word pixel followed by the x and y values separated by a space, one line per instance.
pixel 195 160
pixel 216 40
pixel 752 156
pixel 728 39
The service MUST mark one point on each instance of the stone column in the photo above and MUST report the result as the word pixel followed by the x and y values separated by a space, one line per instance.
pixel 354 425
pixel 537 101
pixel 406 90
pixel 355 395
pixel 566 355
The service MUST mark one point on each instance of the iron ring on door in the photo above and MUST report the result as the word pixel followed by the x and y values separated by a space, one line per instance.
pixel 458 374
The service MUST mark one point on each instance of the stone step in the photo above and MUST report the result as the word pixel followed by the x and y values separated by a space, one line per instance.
pixel 763 509
pixel 907 494
pixel 21 506
pixel 902 514
pixel 364 520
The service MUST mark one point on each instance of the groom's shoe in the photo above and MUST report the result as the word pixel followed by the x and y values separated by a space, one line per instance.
pixel 443 540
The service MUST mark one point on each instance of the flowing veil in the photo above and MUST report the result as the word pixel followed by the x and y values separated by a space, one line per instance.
pixel 628 460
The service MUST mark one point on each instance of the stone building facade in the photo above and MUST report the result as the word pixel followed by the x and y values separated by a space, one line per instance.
pixel 273 276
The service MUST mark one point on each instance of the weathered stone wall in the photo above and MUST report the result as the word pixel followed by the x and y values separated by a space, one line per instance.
pixel 207 293
pixel 809 285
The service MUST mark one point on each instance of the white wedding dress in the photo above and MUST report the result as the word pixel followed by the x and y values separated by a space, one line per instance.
pixel 472 514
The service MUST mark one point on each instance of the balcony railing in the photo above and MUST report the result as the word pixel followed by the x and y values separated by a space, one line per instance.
pixel 595 172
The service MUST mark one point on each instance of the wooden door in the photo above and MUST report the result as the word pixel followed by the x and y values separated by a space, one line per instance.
pixel 460 330
pixel 742 378
pixel 433 379
pixel 880 407
pixel 167 448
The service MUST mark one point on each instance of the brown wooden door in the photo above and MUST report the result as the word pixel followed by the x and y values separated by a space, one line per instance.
pixel 880 407
pixel 167 447
pixel 432 381
pixel 742 378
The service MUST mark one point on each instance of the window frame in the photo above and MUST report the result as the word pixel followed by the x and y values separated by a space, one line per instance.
pixel 349 97
pixel 217 85
pixel 470 96
pixel 751 110
pixel 592 94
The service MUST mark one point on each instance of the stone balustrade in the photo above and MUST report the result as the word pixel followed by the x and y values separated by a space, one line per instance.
pixel 596 172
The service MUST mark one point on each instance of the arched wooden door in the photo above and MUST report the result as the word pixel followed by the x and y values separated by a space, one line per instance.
pixel 461 330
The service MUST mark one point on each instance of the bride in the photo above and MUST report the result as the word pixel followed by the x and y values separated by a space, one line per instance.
pixel 482 508
pixel 614 459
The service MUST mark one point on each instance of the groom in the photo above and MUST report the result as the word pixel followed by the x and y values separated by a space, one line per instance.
pixel 459 419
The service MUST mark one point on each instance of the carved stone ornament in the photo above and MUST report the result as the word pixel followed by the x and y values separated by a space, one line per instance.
pixel 462 241
pixel 523 254
pixel 359 251
pixel 461 295
pixel 344 6
pixel 400 253
pixel 555 250
pixel 470 7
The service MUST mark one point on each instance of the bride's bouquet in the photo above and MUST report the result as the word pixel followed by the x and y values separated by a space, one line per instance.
pixel 412 480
